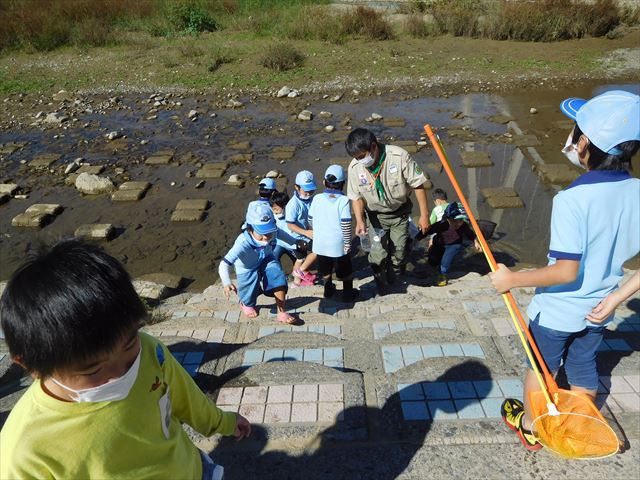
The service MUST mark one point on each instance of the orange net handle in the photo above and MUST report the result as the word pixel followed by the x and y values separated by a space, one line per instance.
pixel 508 297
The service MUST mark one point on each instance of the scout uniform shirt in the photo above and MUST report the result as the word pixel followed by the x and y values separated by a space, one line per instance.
pixel 399 174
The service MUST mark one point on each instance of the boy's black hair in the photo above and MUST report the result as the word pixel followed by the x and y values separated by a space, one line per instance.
pixel 265 192
pixel 359 140
pixel 439 194
pixel 330 182
pixel 279 198
pixel 599 160
pixel 66 306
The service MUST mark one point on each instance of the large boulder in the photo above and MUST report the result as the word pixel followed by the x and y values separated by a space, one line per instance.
pixel 91 184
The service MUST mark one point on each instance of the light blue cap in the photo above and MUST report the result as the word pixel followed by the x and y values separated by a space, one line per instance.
pixel 608 119
pixel 337 171
pixel 268 184
pixel 305 181
pixel 260 217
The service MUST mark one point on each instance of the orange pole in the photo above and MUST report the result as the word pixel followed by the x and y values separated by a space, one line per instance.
pixel 435 141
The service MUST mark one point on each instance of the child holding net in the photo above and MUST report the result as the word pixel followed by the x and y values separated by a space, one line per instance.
pixel 594 230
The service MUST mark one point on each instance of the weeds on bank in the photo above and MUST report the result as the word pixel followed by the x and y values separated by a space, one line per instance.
pixel 282 57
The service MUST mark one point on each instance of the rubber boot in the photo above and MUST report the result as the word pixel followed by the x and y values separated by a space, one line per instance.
pixel 349 294
pixel 379 276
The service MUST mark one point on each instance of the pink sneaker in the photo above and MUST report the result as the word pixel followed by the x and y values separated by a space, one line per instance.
pixel 310 278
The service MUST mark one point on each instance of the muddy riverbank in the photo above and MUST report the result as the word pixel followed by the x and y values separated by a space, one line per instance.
pixel 254 138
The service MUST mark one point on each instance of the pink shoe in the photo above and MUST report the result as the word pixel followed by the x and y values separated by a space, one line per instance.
pixel 309 277
pixel 248 312
pixel 284 317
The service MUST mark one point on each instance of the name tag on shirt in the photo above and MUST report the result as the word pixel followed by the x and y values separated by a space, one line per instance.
pixel 165 413
pixel 363 179
pixel 393 169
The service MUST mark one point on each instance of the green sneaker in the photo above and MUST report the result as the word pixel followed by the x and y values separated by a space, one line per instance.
pixel 512 411
pixel 442 280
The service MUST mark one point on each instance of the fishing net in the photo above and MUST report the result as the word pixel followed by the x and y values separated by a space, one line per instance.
pixel 578 431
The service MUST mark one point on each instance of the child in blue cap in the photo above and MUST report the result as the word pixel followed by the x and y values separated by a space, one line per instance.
pixel 296 217
pixel 257 270
pixel 594 230
pixel 331 213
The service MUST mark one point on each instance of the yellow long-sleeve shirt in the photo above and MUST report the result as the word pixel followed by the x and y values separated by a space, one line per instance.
pixel 48 438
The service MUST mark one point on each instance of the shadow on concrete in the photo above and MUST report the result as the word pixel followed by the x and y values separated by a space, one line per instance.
pixel 369 443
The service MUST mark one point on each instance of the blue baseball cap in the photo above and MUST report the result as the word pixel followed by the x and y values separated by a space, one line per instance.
pixel 260 217
pixel 455 211
pixel 337 171
pixel 305 181
pixel 608 119
pixel 268 184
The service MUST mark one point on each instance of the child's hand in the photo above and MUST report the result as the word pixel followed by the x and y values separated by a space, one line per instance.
pixel 309 234
pixel 477 244
pixel 243 428
pixel 230 288
pixel 501 278
pixel 604 309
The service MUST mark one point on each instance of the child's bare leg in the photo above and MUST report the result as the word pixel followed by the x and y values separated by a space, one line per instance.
pixel 591 393
pixel 530 385
pixel 296 266
pixel 311 258
pixel 280 296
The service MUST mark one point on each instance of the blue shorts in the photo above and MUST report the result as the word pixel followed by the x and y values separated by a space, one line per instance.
pixel 265 279
pixel 576 350
pixel 210 470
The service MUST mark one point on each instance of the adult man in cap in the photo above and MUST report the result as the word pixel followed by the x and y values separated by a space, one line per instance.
pixel 381 179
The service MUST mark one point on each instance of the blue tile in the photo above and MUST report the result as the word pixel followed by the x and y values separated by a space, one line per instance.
pixel 264 331
pixel 380 330
pixel 392 357
pixel 511 387
pixel 316 328
pixel 411 354
pixel 332 330
pixel 334 353
pixel 435 390
pixel 251 357
pixel 329 310
pixel 462 390
pixel 472 350
pixel 334 363
pixel 431 351
pixel 272 355
pixel 179 356
pixel 313 355
pixel 410 391
pixel 442 410
pixel 293 354
pixel 414 324
pixel 469 408
pixel 415 411
pixel 282 328
pixel 447 324
pixel 397 327
pixel 452 350
pixel 487 388
pixel 491 407
pixel 194 357
pixel 618 344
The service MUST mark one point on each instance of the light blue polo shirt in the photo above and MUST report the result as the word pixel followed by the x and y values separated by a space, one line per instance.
pixel 297 212
pixel 246 255
pixel 328 210
pixel 284 237
pixel 596 221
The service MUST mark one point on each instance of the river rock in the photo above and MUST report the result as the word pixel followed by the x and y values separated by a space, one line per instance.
pixel 283 92
pixel 31 220
pixel 325 114
pixel 90 184
pixel 44 161
pixel 62 96
pixel 336 98
pixel 376 117
pixel 240 145
pixel 113 135
pixel 272 174
pixel 192 114
pixel 161 157
pixel 187 215
pixel 212 170
pixel 55 118
pixel 329 128
pixel 168 280
pixel 73 166
pixel 97 231
pixel 150 290
pixel 533 110
pixel 558 174
pixel 305 115
pixel 93 169
pixel 234 104
pixel 8 188
pixel 235 181
pixel 48 208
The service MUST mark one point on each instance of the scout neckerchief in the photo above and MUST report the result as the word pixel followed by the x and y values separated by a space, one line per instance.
pixel 376 171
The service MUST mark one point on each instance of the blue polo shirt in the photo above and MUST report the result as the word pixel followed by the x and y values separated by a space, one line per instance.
pixel 296 212
pixel 328 211
pixel 596 221
pixel 284 237
pixel 246 255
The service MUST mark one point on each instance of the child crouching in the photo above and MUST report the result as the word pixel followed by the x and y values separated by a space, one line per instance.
pixel 257 270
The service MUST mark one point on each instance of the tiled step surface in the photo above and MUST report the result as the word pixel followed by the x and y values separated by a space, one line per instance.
pixel 397 357
pixel 329 357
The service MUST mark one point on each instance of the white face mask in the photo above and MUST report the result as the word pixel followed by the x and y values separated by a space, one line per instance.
pixel 111 391
pixel 571 152
pixel 366 161
pixel 280 217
